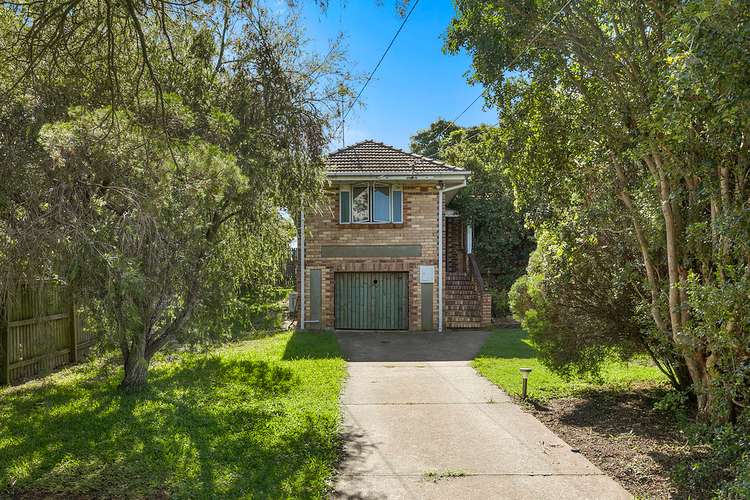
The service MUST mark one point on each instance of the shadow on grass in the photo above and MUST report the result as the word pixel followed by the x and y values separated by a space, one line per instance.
pixel 263 378
pixel 312 345
pixel 508 344
pixel 205 427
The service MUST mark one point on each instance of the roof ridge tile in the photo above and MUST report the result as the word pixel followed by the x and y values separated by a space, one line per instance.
pixel 370 156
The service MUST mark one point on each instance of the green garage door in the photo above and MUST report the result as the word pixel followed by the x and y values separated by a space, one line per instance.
pixel 371 301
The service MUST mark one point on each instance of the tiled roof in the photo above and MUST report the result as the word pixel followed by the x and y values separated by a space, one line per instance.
pixel 375 158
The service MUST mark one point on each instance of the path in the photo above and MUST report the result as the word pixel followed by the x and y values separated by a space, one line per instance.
pixel 421 423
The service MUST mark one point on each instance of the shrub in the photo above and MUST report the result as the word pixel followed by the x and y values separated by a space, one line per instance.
pixel 500 305
pixel 582 308
pixel 674 404
pixel 724 472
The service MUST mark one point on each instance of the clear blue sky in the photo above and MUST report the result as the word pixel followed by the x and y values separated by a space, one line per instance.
pixel 415 84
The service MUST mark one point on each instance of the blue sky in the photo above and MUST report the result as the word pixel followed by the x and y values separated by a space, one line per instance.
pixel 415 84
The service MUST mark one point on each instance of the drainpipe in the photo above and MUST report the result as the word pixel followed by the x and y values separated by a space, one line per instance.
pixel 441 222
pixel 301 242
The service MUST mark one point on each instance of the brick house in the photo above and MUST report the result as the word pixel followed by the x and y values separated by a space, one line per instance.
pixel 370 254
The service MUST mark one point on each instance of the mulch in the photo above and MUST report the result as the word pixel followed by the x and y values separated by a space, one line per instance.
pixel 621 433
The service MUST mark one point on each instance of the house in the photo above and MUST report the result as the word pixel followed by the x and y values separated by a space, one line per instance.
pixel 370 255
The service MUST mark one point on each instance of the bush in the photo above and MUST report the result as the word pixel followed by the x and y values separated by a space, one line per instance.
pixel 582 308
pixel 519 300
pixel 724 472
pixel 674 404
pixel 500 306
pixel 264 316
pixel 236 317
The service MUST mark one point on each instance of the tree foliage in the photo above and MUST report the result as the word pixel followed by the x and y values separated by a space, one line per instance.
pixel 151 149
pixel 502 244
pixel 631 118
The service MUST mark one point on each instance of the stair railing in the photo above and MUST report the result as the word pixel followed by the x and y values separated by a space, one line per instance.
pixel 476 273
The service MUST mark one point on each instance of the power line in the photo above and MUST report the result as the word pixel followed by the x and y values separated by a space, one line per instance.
pixel 515 59
pixel 372 73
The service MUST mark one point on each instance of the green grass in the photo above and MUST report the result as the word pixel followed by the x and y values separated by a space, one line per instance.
pixel 254 419
pixel 507 350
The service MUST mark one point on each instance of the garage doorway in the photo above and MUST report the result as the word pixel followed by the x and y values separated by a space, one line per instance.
pixel 371 301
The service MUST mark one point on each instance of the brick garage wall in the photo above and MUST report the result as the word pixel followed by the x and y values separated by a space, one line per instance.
pixel 419 228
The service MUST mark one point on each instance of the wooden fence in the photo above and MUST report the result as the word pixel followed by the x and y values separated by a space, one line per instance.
pixel 40 331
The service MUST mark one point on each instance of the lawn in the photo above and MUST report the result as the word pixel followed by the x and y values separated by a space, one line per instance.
pixel 253 419
pixel 507 350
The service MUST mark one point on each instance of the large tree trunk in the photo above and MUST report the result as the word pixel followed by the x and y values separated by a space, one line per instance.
pixel 136 365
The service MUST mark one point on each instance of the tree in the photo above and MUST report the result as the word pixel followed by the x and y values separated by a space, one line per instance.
pixel 643 104
pixel 502 243
pixel 153 146
pixel 432 140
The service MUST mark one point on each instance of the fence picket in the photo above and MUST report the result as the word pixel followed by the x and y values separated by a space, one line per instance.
pixel 40 331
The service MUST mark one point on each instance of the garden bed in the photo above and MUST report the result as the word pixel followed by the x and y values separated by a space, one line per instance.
pixel 621 433
pixel 611 421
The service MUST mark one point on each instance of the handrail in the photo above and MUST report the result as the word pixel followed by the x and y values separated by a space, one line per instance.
pixel 475 271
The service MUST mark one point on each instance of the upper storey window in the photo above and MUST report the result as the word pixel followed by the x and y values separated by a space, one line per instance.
pixel 361 204
pixel 371 202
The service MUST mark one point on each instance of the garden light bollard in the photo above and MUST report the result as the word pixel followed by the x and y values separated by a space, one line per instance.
pixel 525 374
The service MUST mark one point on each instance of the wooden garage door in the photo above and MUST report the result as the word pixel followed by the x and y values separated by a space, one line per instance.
pixel 371 301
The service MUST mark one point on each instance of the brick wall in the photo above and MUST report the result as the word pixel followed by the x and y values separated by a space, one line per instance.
pixel 419 228
pixel 455 255
pixel 486 310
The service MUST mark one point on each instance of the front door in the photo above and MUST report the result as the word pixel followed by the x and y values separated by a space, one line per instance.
pixel 371 301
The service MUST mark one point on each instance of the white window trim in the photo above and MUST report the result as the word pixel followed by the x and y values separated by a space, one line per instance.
pixel 370 194
pixel 398 188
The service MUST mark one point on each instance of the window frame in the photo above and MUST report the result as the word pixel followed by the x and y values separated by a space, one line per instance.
pixel 396 188
pixel 370 189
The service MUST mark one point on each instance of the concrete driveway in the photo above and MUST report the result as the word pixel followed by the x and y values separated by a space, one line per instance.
pixel 421 423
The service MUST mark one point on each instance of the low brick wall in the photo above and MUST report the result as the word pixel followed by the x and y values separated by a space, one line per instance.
pixel 486 310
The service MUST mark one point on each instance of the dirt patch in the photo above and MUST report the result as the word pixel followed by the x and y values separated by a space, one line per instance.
pixel 624 436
